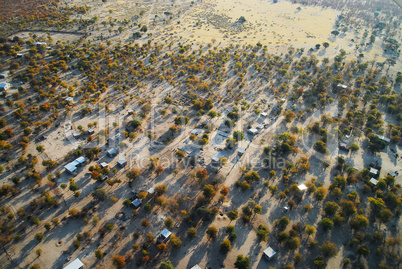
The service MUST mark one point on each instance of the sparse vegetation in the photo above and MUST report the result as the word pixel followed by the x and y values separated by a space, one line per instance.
pixel 147 81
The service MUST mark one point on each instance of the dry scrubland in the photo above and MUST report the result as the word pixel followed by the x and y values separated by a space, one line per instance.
pixel 153 71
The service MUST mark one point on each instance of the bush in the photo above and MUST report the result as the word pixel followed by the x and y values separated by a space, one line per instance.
pixel 145 223
pixel 326 224
pixel 359 221
pixel 175 241
pixel 119 261
pixel 209 191
pixel 329 249
pixel 225 246
pixel 39 236
pixel 232 215
pixel 262 233
pixel 293 243
pixel 192 232
pixel 232 237
pixel 363 250
pixel 320 263
pixel 297 258
pixel 312 243
pixel 76 244
pixel 133 174
pixel 100 195
pixel 252 176
pixel 169 222
pixel 283 236
pixel 147 207
pixel 212 232
pixel 238 136
pixel 242 262
pixel 98 254
pixel 166 265
pixel 320 193
pixel 330 208
pixel 283 222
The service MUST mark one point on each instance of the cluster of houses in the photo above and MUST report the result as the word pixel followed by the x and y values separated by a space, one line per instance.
pixel 4 86
pixel 72 166
pixel 375 173
pixel 163 237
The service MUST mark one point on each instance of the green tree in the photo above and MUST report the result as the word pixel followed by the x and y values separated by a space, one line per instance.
pixel 359 221
pixel 376 204
pixel 257 209
pixel 331 208
pixel 212 114
pixel 212 232
pixel 223 161
pixel 232 215
pixel 310 230
pixel 273 189
pixel 242 262
pixel 283 222
pixel 348 207
pixel 209 191
pixel 225 246
pixel 39 236
pixel 385 215
pixel 320 146
pixel 40 148
pixel 192 233
pixel 327 224
pixel 253 176
pixel 238 136
pixel 181 120
pixel 262 233
pixel 133 174
pixel 329 249
pixel 166 265
pixel 289 116
pixel 180 154
pixel 160 189
pixel 320 193
pixel 100 195
pixel 230 143
pixel 363 250
pixel 293 243
pixel 169 222
pixel 98 254
pixel 354 147
pixel 175 241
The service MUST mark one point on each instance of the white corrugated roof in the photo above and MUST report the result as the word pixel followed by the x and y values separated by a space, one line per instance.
pixel 269 252
pixel 302 187
pixel 76 264
pixel 166 233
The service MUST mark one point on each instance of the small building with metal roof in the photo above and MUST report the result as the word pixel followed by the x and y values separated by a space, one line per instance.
pixel 164 236
pixel 269 253
pixel 76 264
